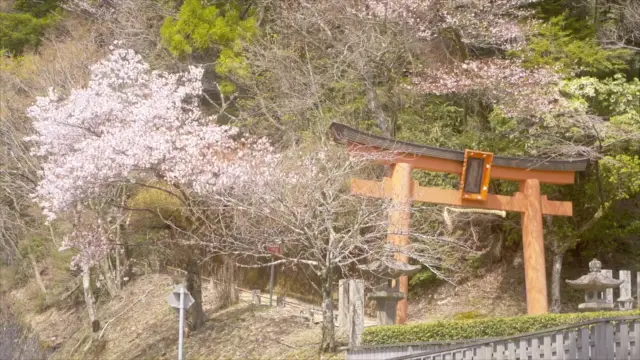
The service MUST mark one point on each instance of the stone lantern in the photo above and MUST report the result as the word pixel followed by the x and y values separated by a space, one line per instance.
pixel 594 284
pixel 387 295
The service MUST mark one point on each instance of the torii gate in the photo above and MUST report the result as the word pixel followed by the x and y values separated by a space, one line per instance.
pixel 476 169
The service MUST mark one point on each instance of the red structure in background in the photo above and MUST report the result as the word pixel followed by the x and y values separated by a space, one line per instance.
pixel 476 169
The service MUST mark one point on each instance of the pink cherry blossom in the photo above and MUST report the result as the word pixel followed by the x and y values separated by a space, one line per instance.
pixel 92 243
pixel 518 91
pixel 133 124
pixel 503 23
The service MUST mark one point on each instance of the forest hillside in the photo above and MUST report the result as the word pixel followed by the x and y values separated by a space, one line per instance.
pixel 140 136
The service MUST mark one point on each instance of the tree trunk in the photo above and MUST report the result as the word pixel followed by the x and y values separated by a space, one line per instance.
pixel 373 103
pixel 194 287
pixel 108 276
pixel 328 327
pixel 124 272
pixel 118 270
pixel 88 298
pixel 127 272
pixel 556 280
pixel 559 248
pixel 36 271
pixel 117 255
pixel 230 279
pixel 12 251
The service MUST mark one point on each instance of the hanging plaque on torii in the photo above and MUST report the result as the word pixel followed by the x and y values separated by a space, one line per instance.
pixel 476 169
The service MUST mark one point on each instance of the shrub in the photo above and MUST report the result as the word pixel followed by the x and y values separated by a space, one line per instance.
pixel 478 328
pixel 38 9
pixel 469 315
pixel 20 31
pixel 200 26
pixel 203 28
pixel 555 45
pixel 423 278
pixel 160 205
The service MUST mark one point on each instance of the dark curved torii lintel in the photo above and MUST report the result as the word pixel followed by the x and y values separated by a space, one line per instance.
pixel 553 171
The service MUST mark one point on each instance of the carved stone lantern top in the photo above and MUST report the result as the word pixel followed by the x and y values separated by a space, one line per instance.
pixel 595 280
pixel 390 269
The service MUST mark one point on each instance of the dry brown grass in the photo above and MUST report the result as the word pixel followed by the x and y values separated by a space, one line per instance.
pixel 499 292
pixel 145 327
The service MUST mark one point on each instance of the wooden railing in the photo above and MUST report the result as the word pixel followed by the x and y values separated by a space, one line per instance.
pixel 602 339
pixel 265 298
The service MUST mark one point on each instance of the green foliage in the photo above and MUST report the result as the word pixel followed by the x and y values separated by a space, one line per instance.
pixel 424 277
pixel 556 46
pixel 622 175
pixel 20 31
pixel 580 26
pixel 223 27
pixel 469 315
pixel 614 96
pixel 157 204
pixel 613 237
pixel 34 245
pixel 37 8
pixel 436 122
pixel 477 329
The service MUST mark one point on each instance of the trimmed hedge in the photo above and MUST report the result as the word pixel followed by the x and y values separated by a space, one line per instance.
pixel 479 328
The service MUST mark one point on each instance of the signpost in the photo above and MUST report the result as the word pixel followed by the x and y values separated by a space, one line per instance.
pixel 182 300
pixel 273 249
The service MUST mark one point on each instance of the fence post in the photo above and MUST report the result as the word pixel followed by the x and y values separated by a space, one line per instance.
pixel 638 292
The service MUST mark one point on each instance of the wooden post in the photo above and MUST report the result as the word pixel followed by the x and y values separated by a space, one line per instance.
pixel 400 223
pixel 533 243
pixel 638 301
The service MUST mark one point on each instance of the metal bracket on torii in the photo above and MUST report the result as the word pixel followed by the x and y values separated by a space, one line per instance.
pixel 476 168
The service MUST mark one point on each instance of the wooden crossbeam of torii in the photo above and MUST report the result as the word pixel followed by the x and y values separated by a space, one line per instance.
pixel 403 190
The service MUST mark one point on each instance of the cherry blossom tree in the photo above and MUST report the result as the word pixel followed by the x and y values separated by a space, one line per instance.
pixel 481 23
pixel 470 33
pixel 366 61
pixel 132 125
pixel 504 83
pixel 324 229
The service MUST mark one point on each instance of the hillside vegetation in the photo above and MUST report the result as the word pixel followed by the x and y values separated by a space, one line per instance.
pixel 139 135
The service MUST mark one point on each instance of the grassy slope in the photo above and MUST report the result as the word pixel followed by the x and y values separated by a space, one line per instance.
pixel 140 325
pixel 498 291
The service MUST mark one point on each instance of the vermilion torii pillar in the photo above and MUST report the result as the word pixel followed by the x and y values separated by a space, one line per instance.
pixel 476 169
